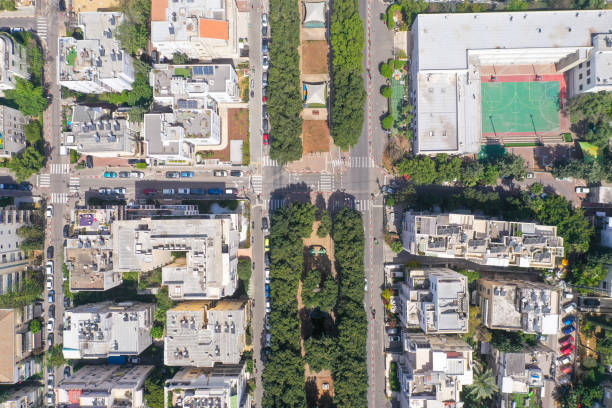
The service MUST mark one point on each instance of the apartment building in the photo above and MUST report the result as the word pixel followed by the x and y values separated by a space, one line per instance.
pixel 27 396
pixel 222 386
pixel 203 30
pixel 95 131
pixel 210 243
pixel 12 130
pixel 100 330
pixel 436 300
pixel 520 372
pixel 194 93
pixel 88 252
pixel 106 386
pixel 13 63
pixel 97 63
pixel 433 371
pixel 530 307
pixel 205 333
pixel 17 361
pixel 482 240
pixel 12 260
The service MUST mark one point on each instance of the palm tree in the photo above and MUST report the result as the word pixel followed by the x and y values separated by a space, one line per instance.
pixel 484 386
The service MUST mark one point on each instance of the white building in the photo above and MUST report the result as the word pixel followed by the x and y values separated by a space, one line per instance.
pixel 100 330
pixel 436 300
pixel 27 396
pixel 210 243
pixel 452 51
pixel 13 63
pixel 481 240
pixel 433 371
pixel 105 386
pixel 12 131
pixel 202 29
pixel 97 63
pixel 222 386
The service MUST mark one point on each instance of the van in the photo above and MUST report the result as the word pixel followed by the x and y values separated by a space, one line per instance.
pixel 168 191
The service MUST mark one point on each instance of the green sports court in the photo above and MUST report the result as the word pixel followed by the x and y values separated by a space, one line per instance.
pixel 521 107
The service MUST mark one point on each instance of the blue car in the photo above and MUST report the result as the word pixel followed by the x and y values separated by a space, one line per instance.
pixel 215 191
pixel 267 288
pixel 568 329
pixel 110 174
pixel 197 191
pixel 186 174
pixel 568 320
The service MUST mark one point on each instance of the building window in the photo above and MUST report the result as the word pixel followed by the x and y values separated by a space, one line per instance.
pixel 580 87
pixel 580 65
pixel 588 81
pixel 9 282
pixel 588 64
pixel 579 76
pixel 488 291
pixel 588 72
pixel 604 284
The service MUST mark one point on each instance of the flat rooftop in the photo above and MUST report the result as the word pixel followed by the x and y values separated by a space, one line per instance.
pixel 93 129
pixel 443 39
pixel 184 80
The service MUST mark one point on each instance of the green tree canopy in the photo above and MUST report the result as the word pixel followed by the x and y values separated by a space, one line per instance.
pixel 325 225
pixel 318 292
pixel 512 166
pixel 421 169
pixel 386 91
pixel 387 122
pixel 484 385
pixel 35 326
pixel 55 356
pixel 321 353
pixel 29 98
pixel 134 30
pixel 471 173
pixel 517 5
pixel 180 58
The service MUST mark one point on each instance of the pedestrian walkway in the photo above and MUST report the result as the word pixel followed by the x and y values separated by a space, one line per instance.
pixel 44 180
pixel 326 182
pixel 359 161
pixel 275 204
pixel 362 205
pixel 257 182
pixel 60 168
pixel 59 198
pixel 41 27
pixel 359 205
pixel 74 184
pixel 268 162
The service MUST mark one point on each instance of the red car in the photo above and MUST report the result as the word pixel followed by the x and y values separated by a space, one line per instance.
pixel 567 369
pixel 150 191
pixel 568 349
pixel 266 140
pixel 566 341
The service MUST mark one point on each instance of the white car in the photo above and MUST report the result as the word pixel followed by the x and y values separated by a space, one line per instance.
pixel 50 325
pixel 119 190
pixel 49 268
pixel 265 63
pixel 183 191
pixel 565 359
pixel 136 174
pixel 264 20
pixel 49 283
pixel 268 309
pixel 530 175
pixel 50 211
pixel 220 173
pixel 570 307
pixel 583 190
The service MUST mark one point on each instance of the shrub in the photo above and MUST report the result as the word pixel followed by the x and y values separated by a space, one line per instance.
pixel 386 91
pixel 157 332
pixel 35 326
pixel 387 122
pixel 396 246
pixel 386 70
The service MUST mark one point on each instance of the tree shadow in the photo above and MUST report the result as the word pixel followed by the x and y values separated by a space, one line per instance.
pixel 339 200
pixel 320 202
pixel 312 392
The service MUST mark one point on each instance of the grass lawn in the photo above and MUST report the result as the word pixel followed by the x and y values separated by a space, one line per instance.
pixel 184 72
pixel 534 400
pixel 71 57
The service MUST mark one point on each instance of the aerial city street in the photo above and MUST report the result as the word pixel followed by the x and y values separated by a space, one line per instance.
pixel 306 203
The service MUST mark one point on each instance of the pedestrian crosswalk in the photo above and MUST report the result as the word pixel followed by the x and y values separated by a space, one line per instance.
pixel 362 205
pixel 275 204
pixel 41 27
pixel 326 182
pixel 268 162
pixel 44 180
pixel 73 184
pixel 359 161
pixel 60 168
pixel 257 182
pixel 59 198
pixel 357 204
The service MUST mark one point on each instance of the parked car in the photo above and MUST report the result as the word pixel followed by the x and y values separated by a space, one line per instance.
pixel 266 139
pixel 530 175
pixel 183 191
pixel 394 339
pixel 265 125
pixel 566 341
pixel 150 191
pixel 134 360
pixel 124 174
pixel 264 111
pixel 566 369
pixel 49 211
pixel 268 309
pixel 51 296
pixel 49 283
pixel 565 380
pixel 168 191
pixel 264 45
pixel 231 191
pixel 568 329
pixel 49 268
pixel 24 187
pixel 583 190
pixel 264 79
pixel 51 311
pixel 267 288
pixel 50 340
pixel 135 161
pixel 66 302
pixel 568 295
pixel 264 94
pixel 267 243
pixel 267 259
pixel 215 191
pixel 110 174
pixel 392 330
pixel 186 174
pixel 236 173
pixel 197 191
pixel 104 190
pixel 265 63
pixel 264 223
pixel 568 320
pixel 569 307
pixel 50 398
pixel 267 272
pixel 565 359
pixel 119 190
pixel 89 162
pixel 220 173
pixel 264 31
pixel 50 325
pixel 67 371
pixel 568 349
pixel 264 20
pixel 136 174
pixel 172 174
pixel 66 231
